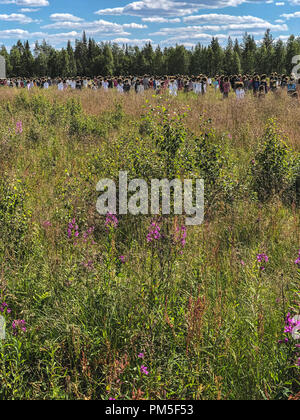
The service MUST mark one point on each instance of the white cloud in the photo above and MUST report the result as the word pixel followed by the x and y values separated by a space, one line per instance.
pixel 167 8
pixel 17 17
pixel 65 17
pixel 27 3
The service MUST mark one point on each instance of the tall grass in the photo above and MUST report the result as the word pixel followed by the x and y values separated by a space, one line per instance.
pixel 202 317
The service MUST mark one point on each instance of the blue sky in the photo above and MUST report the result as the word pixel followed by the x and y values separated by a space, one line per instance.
pixel 164 22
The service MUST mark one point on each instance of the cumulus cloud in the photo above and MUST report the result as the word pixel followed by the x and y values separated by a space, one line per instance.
pixel 27 3
pixel 165 8
pixel 16 17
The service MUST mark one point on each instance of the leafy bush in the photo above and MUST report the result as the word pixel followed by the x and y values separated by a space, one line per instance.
pixel 274 168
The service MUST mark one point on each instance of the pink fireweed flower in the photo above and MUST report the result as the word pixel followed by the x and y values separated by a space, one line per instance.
pixel 144 370
pixel 72 229
pixel 262 258
pixel 111 221
pixel 18 325
pixel 4 308
pixel 19 127
pixel 291 323
pixel 154 232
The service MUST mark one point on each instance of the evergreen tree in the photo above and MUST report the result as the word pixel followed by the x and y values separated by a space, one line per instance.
pixel 248 54
pixel 292 49
pixel 217 57
pixel 72 61
pixel 108 61
pixel 229 58
pixel 279 57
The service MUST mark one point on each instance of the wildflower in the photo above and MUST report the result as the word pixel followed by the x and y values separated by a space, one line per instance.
pixel 19 127
pixel 3 307
pixel 112 399
pixel 292 325
pixel 18 325
pixel 73 229
pixel 111 221
pixel 154 232
pixel 141 355
pixel 297 262
pixel 144 370
pixel 242 262
pixel 122 259
pixel 262 258
pixel 46 224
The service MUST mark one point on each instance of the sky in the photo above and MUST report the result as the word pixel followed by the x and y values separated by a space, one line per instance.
pixel 163 22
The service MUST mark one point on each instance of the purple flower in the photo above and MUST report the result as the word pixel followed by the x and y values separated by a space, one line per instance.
pixel 122 259
pixel 3 307
pixel 262 257
pixel 111 221
pixel 18 325
pixel 144 370
pixel 291 324
pixel 154 232
pixel 19 127
pixel 73 230
pixel 141 355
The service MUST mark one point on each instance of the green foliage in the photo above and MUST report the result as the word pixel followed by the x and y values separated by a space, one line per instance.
pixel 90 58
pixel 204 314
pixel 275 167
pixel 14 217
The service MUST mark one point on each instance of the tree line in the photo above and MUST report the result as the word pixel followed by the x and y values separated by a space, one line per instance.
pixel 90 58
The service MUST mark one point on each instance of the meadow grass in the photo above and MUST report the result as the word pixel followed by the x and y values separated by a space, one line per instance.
pixel 203 317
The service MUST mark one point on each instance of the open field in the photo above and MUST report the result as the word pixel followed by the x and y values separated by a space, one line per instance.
pixel 108 314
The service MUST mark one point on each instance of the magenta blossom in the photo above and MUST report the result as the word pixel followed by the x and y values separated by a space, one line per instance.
pixel 19 127
pixel 18 325
pixel 154 232
pixel 144 370
pixel 111 221
pixel 4 307
pixel 262 258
